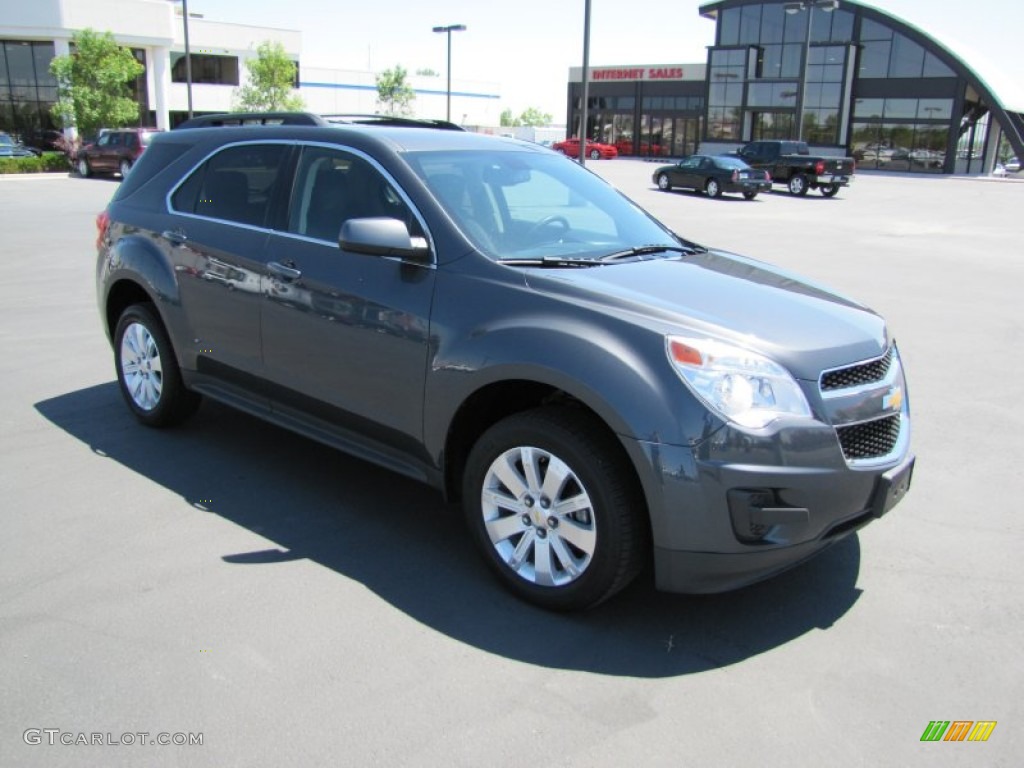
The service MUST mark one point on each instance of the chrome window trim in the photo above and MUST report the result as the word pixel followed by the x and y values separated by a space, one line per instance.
pixel 284 233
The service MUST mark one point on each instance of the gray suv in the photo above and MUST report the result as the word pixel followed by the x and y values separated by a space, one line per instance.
pixel 491 319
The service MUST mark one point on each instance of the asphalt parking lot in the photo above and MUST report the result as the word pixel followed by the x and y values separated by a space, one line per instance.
pixel 292 606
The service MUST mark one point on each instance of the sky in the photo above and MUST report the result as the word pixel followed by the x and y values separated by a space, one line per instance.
pixel 525 47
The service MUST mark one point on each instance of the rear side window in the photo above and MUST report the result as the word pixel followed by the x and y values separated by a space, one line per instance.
pixel 237 184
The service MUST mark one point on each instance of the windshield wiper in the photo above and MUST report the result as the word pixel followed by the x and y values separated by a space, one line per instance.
pixel 646 250
pixel 552 262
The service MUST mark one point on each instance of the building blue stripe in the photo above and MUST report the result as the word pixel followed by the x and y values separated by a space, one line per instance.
pixel 423 91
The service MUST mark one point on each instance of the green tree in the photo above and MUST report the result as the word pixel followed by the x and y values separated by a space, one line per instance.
pixel 508 120
pixel 534 116
pixel 394 95
pixel 427 72
pixel 93 84
pixel 271 82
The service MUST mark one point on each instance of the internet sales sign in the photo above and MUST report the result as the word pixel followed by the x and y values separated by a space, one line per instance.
pixel 637 73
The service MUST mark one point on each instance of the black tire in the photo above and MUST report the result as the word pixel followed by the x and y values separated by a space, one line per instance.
pixel 829 190
pixel 750 195
pixel 147 369
pixel 664 183
pixel 124 167
pixel 713 188
pixel 83 168
pixel 595 154
pixel 591 473
pixel 797 185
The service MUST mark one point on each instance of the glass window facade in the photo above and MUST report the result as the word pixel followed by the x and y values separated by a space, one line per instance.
pixel 27 89
pixel 805 68
pixel 206 68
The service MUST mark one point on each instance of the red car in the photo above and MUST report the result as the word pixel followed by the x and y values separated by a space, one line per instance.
pixel 115 151
pixel 595 150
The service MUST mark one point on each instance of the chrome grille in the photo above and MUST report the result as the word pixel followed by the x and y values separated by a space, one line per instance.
pixel 870 439
pixel 856 375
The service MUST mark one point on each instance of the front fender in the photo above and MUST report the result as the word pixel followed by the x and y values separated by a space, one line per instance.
pixel 617 369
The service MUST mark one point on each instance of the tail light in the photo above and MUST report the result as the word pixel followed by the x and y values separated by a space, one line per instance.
pixel 767 176
pixel 853 163
pixel 819 167
pixel 102 225
pixel 735 175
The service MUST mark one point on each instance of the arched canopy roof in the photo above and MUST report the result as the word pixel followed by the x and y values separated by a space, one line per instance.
pixel 989 71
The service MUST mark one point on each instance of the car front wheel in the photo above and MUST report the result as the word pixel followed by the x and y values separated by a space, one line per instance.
pixel 147 370
pixel 664 183
pixel 595 154
pixel 797 185
pixel 83 167
pixel 713 188
pixel 124 167
pixel 553 506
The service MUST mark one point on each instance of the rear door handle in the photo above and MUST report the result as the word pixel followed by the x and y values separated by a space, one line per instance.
pixel 175 237
pixel 285 272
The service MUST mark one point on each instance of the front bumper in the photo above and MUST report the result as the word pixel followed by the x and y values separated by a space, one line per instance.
pixel 722 519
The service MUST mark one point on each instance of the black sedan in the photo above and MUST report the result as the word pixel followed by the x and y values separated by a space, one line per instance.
pixel 11 148
pixel 713 175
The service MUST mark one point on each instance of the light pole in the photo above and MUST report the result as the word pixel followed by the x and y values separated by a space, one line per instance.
pixel 188 57
pixel 795 7
pixel 586 74
pixel 448 31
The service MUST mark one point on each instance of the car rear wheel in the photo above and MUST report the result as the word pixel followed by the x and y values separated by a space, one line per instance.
pixel 664 183
pixel 797 185
pixel 595 154
pixel 554 508
pixel 147 370
pixel 83 167
pixel 750 195
pixel 713 188
pixel 124 167
pixel 829 190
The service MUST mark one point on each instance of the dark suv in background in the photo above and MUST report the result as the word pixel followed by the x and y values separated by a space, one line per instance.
pixel 115 151
pixel 477 314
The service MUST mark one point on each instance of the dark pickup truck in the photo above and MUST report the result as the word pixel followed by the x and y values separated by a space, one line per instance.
pixel 790 163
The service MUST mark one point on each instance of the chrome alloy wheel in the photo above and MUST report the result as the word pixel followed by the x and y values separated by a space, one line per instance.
pixel 141 367
pixel 539 517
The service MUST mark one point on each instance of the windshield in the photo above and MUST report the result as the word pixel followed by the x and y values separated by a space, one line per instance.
pixel 532 205
pixel 6 140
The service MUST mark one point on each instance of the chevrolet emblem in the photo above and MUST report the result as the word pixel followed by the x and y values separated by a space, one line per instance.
pixel 893 400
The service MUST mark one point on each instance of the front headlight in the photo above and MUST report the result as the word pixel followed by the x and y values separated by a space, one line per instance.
pixel 739 385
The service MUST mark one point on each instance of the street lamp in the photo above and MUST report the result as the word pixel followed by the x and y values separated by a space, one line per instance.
pixel 448 31
pixel 188 57
pixel 795 7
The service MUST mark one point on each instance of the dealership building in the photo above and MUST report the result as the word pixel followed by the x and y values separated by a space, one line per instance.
pixel 847 77
pixel 33 33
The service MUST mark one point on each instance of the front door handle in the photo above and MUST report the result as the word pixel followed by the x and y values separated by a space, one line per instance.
pixel 283 271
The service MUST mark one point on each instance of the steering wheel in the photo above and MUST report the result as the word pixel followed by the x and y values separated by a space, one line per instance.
pixel 549 221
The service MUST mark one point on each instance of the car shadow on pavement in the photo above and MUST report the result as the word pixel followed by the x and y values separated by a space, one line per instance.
pixel 402 541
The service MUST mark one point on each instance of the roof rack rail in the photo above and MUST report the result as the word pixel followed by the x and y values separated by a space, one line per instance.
pixel 233 119
pixel 394 120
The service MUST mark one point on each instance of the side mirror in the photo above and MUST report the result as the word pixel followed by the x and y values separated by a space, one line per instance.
pixel 383 236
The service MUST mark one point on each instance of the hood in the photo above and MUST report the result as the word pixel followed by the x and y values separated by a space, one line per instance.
pixel 805 327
